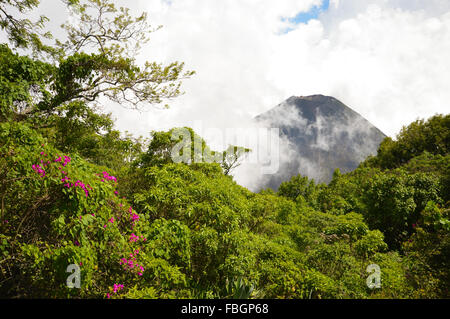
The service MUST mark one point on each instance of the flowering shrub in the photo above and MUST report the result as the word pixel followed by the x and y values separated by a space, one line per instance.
pixel 107 177
pixel 131 264
pixel 77 202
pixel 64 161
pixel 185 231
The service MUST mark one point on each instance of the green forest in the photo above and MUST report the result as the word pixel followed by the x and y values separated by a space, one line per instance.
pixel 75 191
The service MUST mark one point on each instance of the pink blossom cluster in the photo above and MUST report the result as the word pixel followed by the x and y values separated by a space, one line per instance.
pixel 131 264
pixel 79 184
pixel 134 217
pixel 111 220
pixel 107 177
pixel 64 160
pixel 116 288
pixel 67 160
pixel 134 238
pixel 40 170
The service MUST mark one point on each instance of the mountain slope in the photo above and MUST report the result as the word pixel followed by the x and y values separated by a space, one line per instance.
pixel 319 134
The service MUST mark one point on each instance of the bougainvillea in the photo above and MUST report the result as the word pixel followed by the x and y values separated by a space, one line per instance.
pixel 131 264
pixel 188 231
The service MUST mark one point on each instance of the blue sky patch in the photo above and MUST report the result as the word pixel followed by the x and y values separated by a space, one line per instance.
pixel 304 17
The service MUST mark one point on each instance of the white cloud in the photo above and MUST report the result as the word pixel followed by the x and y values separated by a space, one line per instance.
pixel 386 59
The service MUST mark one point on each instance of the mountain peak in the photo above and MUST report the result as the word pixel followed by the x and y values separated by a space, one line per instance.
pixel 313 106
pixel 315 97
pixel 321 134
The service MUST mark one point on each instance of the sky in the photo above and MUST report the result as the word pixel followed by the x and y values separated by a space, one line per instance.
pixel 386 59
pixel 313 13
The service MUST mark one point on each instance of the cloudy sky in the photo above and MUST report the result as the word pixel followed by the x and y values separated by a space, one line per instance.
pixel 386 59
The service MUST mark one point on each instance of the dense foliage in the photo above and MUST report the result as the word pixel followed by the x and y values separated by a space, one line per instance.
pixel 74 191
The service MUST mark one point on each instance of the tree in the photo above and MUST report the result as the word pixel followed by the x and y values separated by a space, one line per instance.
pixel 164 145
pixel 23 33
pixel 60 96
pixel 298 186
pixel 98 59
pixel 190 148
pixel 23 84
pixel 233 157
pixel 115 38
pixel 432 136
pixel 428 253
pixel 394 201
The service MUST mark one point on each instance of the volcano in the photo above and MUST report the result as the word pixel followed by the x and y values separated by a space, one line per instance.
pixel 318 134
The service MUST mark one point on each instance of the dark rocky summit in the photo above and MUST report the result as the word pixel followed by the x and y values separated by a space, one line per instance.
pixel 319 134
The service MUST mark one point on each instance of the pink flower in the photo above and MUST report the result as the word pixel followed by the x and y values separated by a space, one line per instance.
pixel 38 169
pixel 106 176
pixel 134 238
pixel 118 287
pixel 67 160
pixel 79 184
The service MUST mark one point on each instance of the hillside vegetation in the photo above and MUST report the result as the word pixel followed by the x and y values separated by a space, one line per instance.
pixel 74 191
